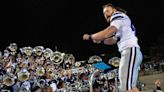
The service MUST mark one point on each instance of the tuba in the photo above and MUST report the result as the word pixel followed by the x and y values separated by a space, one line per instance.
pixel 57 57
pixel 26 50
pixel 77 64
pixel 8 81
pixel 47 53
pixel 94 59
pixel 76 85
pixel 38 50
pixel 13 47
pixel 69 60
pixel 40 71
pixel 41 83
pixel 115 61
pixel 23 75
pixel 80 63
pixel 1 55
pixel 51 73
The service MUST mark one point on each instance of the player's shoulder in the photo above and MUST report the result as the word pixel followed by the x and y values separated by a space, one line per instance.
pixel 118 15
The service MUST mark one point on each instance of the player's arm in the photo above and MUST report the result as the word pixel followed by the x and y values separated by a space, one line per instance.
pixel 115 24
pixel 104 34
pixel 110 41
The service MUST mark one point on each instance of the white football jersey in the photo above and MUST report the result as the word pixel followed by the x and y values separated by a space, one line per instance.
pixel 126 31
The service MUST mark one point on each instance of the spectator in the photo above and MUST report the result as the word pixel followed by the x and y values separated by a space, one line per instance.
pixel 158 86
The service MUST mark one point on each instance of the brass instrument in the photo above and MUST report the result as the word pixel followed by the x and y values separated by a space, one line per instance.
pixel 57 57
pixel 47 53
pixel 77 64
pixel 64 72
pixel 0 56
pixel 13 47
pixel 8 81
pixel 79 70
pixel 111 75
pixel 38 50
pixel 6 53
pixel 90 68
pixel 115 61
pixel 24 64
pixel 41 83
pixel 40 71
pixel 52 73
pixel 91 80
pixel 69 60
pixel 94 59
pixel 27 50
pixel 23 75
pixel 81 63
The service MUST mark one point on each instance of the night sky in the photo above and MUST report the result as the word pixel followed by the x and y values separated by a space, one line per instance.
pixel 62 23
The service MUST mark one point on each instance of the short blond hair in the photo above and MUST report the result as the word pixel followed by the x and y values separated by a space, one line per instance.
pixel 117 8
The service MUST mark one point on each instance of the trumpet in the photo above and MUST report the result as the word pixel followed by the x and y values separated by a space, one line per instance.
pixel 8 81
pixel 57 57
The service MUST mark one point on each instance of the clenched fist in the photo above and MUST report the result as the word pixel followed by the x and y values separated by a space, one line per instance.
pixel 86 37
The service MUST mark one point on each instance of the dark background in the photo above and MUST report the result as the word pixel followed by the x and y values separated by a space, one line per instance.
pixel 62 23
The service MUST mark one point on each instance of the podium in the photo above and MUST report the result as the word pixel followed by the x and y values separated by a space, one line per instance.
pixel 105 67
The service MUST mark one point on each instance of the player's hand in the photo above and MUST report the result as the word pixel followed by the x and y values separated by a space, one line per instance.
pixel 97 42
pixel 86 37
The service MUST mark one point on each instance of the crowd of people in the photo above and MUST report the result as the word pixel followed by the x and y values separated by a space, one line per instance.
pixel 41 69
pixel 152 67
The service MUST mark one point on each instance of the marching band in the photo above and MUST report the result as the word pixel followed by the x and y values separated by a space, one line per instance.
pixel 24 69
